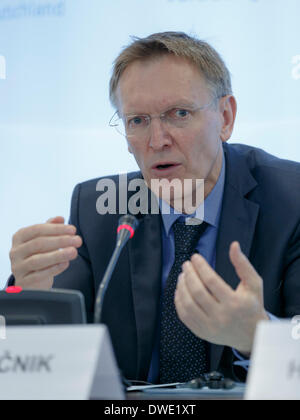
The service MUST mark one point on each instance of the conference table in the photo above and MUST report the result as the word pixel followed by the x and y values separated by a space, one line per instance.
pixel 237 393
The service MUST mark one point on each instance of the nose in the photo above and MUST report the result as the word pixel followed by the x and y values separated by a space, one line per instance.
pixel 159 137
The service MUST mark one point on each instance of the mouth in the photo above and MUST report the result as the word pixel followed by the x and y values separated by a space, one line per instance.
pixel 165 166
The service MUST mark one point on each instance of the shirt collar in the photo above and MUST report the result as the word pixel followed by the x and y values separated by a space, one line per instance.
pixel 212 206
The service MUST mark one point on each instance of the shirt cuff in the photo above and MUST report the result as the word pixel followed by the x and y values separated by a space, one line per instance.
pixel 243 361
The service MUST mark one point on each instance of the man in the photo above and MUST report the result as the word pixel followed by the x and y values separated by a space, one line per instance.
pixel 183 299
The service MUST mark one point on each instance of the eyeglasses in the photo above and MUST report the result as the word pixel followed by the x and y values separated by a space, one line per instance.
pixel 132 126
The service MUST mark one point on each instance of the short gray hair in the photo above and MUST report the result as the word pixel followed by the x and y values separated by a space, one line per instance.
pixel 203 55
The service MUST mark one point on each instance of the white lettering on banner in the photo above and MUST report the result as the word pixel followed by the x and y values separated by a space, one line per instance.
pixel 296 68
pixel 2 67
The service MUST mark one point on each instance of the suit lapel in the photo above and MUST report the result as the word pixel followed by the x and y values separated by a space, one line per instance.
pixel 237 223
pixel 145 255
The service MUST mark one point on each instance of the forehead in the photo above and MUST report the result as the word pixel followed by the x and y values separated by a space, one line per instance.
pixel 150 85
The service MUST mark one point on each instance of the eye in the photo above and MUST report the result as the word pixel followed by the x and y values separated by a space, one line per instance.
pixel 136 121
pixel 179 114
pixel 182 113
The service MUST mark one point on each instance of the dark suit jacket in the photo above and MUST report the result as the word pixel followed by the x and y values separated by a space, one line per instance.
pixel 261 210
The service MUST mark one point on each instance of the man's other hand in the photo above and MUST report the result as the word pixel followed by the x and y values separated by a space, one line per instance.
pixel 41 252
pixel 215 312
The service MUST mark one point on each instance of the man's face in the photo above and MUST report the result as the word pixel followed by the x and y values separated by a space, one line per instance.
pixel 194 152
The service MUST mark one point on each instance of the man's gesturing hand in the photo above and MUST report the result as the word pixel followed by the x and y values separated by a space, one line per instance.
pixel 212 310
pixel 41 252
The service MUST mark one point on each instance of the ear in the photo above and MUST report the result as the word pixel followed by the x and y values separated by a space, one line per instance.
pixel 228 110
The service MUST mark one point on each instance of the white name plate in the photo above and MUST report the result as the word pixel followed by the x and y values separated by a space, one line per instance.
pixel 58 363
pixel 275 365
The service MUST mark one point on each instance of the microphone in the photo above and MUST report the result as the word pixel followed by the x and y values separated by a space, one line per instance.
pixel 126 229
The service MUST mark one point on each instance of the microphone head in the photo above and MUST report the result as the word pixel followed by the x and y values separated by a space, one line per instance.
pixel 127 224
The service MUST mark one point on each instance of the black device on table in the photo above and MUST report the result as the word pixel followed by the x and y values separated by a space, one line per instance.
pixel 212 380
pixel 39 307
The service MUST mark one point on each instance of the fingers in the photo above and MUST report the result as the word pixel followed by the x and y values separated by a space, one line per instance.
pixel 221 291
pixel 57 219
pixel 43 251
pixel 188 312
pixel 46 244
pixel 46 229
pixel 244 269
pixel 39 262
pixel 197 290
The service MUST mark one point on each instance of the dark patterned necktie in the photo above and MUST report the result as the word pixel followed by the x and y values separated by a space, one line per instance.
pixel 183 356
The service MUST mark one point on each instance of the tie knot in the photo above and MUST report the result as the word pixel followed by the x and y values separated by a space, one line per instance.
pixel 187 237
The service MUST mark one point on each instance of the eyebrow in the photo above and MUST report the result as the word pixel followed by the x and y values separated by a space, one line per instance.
pixel 179 105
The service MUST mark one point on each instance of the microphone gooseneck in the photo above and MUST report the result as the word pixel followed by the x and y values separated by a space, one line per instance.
pixel 126 229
